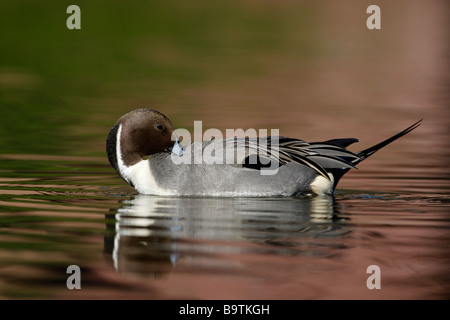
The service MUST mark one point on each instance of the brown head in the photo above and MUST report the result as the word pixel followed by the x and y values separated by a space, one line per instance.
pixel 143 132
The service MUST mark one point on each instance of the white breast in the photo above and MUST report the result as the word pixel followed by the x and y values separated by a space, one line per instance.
pixel 139 174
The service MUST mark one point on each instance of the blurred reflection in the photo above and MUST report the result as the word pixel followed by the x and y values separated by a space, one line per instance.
pixel 153 234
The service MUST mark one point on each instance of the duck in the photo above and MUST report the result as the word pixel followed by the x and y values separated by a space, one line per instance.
pixel 145 150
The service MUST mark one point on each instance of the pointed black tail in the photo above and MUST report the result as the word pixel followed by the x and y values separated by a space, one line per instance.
pixel 338 173
pixel 370 151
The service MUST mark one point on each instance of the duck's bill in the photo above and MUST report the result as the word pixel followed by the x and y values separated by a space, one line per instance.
pixel 177 148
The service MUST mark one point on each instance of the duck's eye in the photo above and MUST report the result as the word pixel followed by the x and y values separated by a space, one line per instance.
pixel 160 127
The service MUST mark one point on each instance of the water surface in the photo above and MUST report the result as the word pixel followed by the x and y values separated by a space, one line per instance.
pixel 76 211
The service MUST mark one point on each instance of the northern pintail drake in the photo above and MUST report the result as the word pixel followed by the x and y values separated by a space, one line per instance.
pixel 146 153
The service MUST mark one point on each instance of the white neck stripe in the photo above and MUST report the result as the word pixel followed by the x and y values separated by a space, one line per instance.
pixel 139 175
pixel 122 167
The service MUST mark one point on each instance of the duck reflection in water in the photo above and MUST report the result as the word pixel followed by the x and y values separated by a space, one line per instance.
pixel 151 235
